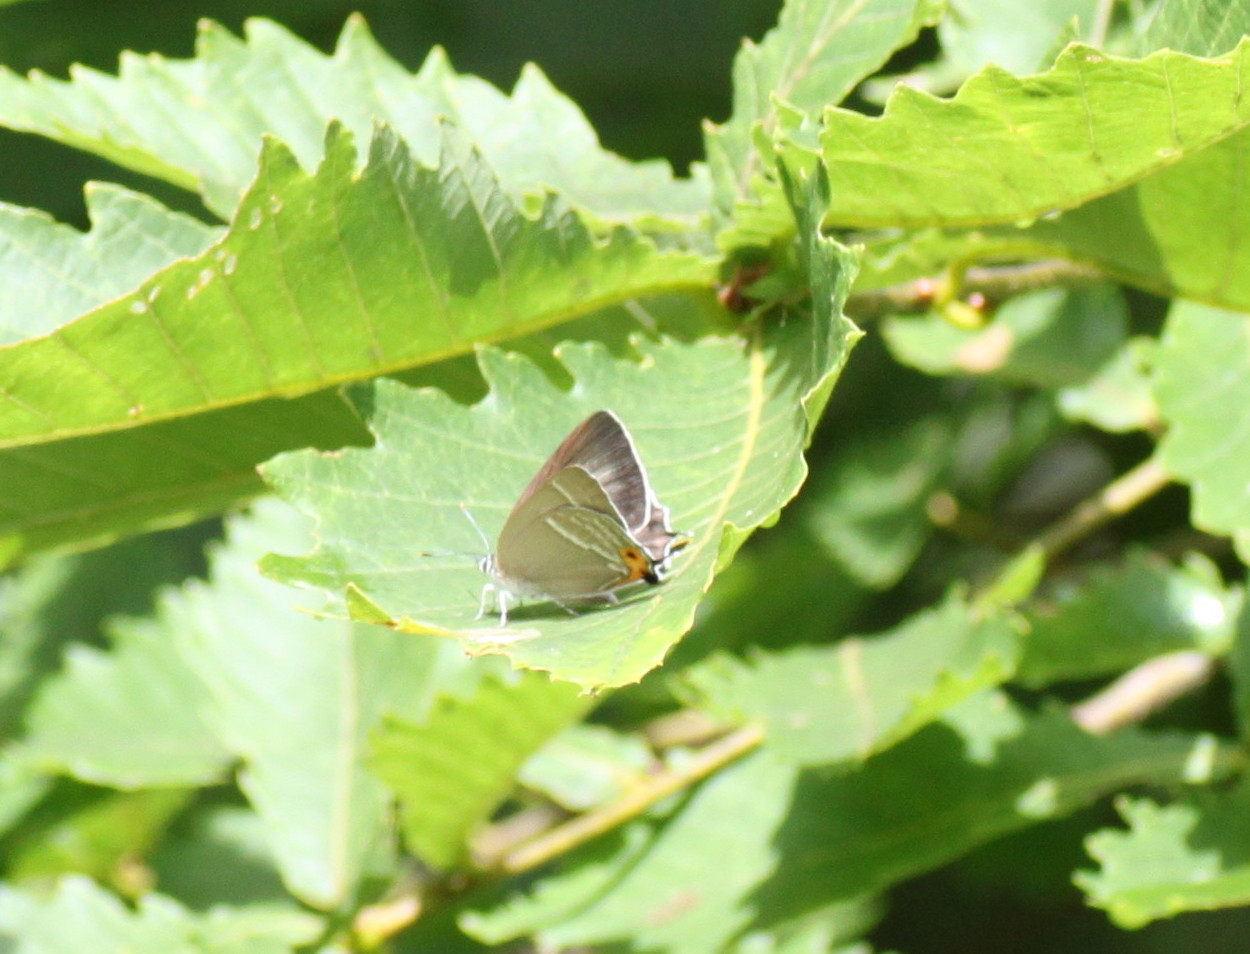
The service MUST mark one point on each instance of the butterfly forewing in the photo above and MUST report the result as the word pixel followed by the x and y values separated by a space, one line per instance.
pixel 602 447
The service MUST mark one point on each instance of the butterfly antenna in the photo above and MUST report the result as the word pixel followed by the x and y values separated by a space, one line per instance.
pixel 485 542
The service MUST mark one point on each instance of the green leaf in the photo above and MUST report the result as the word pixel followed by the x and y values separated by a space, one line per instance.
pixel 1239 669
pixel 130 718
pixel 198 123
pixel 1195 26
pixel 795 571
pixel 1187 856
pixel 97 832
pixel 735 460
pixel 1118 396
pixel 1202 386
pixel 1018 35
pixel 748 406
pixel 868 507
pixel 986 770
pixel 295 698
pixel 827 268
pixel 21 787
pixel 842 703
pixel 790 842
pixel 472 267
pixel 80 916
pixel 1018 148
pixel 218 855
pixel 52 273
pixel 51 602
pixel 165 400
pixel 1180 231
pixel 586 766
pixel 697 898
pixel 1048 339
pixel 451 771
pixel 814 56
pixel 1123 615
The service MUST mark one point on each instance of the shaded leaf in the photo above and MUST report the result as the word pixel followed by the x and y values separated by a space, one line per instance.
pixel 1123 615
pixel 1046 339
pixel 130 717
pixel 1017 35
pixel 21 787
pixel 868 507
pixel 986 769
pixel 97 832
pixel 1118 397
pixel 791 842
pixel 451 771
pixel 1201 27
pixel 51 602
pixel 657 889
pixel 295 698
pixel 1239 669
pixel 795 571
pixel 215 855
pixel 586 765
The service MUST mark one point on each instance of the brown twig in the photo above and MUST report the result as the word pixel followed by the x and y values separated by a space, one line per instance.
pixel 1142 690
pixel 995 283
pixel 583 828
pixel 1114 500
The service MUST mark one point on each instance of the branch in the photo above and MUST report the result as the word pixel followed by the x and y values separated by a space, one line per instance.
pixel 991 283
pixel 1142 690
pixel 1114 500
pixel 583 828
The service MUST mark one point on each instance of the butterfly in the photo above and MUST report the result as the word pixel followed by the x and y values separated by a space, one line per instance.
pixel 587 524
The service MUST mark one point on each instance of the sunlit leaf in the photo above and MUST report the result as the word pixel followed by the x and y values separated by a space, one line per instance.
pixel 844 702
pixel 1187 856
pixel 198 123
pixel 1202 365
pixel 80 916
pixel 814 56
pixel 164 401
pixel 733 460
pixel 1008 149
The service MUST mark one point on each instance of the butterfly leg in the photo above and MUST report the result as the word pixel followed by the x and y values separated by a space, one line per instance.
pixel 501 602
pixel 564 606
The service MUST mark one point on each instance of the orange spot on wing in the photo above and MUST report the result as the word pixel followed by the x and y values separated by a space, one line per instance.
pixel 638 566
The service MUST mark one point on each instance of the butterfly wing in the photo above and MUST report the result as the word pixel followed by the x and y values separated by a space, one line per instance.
pixel 566 542
pixel 602 447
